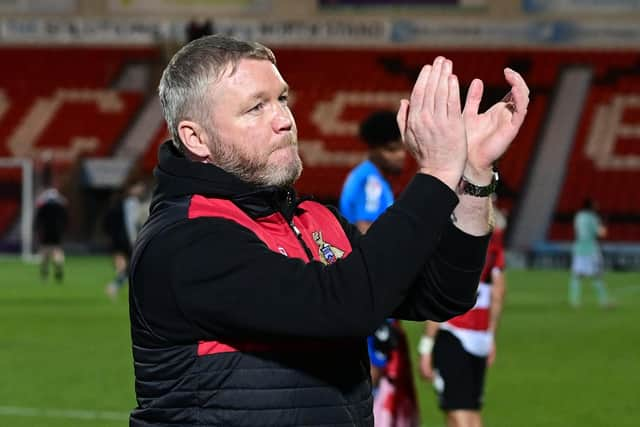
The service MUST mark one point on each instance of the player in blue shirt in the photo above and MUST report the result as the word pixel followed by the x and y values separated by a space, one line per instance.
pixel 366 194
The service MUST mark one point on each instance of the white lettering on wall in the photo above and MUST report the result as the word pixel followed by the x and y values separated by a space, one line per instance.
pixel 607 127
pixel 22 142
pixel 327 115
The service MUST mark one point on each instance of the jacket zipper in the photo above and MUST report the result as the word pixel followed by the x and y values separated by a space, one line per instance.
pixel 298 234
pixel 296 231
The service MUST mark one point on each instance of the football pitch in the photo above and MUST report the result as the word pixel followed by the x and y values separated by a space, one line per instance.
pixel 65 357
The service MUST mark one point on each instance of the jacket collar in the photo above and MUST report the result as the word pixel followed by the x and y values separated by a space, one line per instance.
pixel 178 176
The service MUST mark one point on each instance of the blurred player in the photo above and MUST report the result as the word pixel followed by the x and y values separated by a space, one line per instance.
pixel 50 223
pixel 454 355
pixel 122 223
pixel 587 255
pixel 366 192
pixel 365 196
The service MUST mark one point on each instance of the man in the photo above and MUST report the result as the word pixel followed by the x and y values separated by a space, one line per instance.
pixel 50 223
pixel 250 307
pixel 454 355
pixel 587 256
pixel 366 194
pixel 122 222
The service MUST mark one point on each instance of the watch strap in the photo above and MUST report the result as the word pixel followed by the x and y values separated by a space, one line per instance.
pixel 467 187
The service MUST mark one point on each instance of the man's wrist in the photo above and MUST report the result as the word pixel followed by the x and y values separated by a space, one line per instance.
pixel 478 188
pixel 425 345
pixel 478 176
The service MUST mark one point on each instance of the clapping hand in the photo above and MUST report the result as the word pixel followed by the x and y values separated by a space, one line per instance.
pixel 431 123
pixel 446 141
pixel 489 134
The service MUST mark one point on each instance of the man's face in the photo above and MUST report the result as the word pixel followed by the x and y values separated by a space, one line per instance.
pixel 253 134
pixel 391 157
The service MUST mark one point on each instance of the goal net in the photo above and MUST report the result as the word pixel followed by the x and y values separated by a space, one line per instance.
pixel 16 206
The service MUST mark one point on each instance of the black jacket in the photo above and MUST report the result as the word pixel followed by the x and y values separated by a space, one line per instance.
pixel 288 334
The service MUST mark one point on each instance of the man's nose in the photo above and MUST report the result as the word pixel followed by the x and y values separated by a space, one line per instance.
pixel 282 120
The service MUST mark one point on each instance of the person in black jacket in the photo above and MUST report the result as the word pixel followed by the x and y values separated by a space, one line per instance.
pixel 251 307
pixel 121 223
pixel 50 222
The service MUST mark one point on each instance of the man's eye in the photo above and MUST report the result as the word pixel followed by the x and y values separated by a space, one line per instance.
pixel 256 108
pixel 284 99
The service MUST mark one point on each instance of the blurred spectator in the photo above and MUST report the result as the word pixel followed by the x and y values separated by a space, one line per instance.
pixel 365 196
pixel 587 255
pixel 50 223
pixel 123 220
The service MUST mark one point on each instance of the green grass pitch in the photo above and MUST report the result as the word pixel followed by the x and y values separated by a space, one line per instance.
pixel 65 352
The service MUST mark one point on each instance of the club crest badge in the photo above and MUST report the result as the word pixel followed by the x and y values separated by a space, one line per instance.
pixel 328 253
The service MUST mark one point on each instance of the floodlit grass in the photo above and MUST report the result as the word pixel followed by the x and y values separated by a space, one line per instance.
pixel 63 347
pixel 65 353
pixel 558 366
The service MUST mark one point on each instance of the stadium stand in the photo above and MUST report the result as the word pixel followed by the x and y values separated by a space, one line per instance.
pixel 85 110
pixel 59 101
pixel 605 160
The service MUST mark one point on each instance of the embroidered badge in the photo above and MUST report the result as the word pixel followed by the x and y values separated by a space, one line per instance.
pixel 328 253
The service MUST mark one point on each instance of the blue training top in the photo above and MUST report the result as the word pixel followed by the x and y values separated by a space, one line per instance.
pixel 366 194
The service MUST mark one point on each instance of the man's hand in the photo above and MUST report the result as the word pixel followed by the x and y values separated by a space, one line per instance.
pixel 492 354
pixel 426 370
pixel 489 134
pixel 431 123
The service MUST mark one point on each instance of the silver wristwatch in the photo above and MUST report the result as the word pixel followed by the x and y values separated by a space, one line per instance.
pixel 466 187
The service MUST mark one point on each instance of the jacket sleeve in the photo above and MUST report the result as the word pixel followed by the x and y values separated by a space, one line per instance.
pixel 224 281
pixel 448 284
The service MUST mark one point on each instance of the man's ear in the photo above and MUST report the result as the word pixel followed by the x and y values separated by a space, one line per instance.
pixel 194 139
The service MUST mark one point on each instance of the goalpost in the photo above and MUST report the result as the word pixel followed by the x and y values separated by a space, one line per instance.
pixel 26 202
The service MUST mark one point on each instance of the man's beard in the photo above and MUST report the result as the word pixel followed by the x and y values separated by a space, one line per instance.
pixel 255 172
